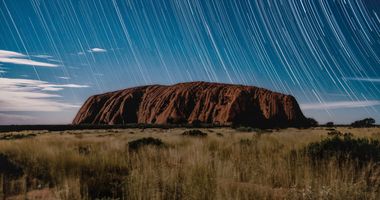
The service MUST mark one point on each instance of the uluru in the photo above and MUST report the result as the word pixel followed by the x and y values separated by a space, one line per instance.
pixel 193 102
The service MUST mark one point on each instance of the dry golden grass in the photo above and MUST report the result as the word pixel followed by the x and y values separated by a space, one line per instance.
pixel 227 164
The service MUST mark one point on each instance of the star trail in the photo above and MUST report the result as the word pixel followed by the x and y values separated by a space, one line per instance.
pixel 54 53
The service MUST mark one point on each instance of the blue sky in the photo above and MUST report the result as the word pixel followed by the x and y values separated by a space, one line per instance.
pixel 54 54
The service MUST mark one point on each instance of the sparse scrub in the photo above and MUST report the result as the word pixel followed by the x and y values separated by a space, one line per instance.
pixel 16 136
pixel 240 165
pixel 338 133
pixel 250 129
pixel 334 133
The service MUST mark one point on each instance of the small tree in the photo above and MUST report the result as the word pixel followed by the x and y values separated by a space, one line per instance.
pixel 330 124
pixel 312 122
pixel 367 122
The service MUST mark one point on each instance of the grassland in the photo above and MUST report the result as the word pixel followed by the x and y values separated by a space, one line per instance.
pixel 225 164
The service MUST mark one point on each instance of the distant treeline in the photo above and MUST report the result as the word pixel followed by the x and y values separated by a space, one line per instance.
pixel 66 127
pixel 368 122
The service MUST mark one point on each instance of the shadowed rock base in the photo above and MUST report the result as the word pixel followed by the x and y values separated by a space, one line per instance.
pixel 193 103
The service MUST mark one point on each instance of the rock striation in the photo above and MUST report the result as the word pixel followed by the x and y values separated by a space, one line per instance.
pixel 193 102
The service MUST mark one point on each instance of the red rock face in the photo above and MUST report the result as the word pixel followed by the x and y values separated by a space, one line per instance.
pixel 203 102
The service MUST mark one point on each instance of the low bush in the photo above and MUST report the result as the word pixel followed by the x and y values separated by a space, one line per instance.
pixel 194 133
pixel 107 183
pixel 345 149
pixel 137 144
pixel 9 168
pixel 245 129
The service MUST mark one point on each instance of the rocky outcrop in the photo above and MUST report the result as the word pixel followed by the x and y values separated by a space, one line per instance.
pixel 194 102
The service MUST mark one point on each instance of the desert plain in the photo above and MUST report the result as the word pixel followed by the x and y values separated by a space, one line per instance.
pixel 219 163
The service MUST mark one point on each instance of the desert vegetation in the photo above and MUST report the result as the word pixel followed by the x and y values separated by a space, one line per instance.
pixel 181 163
pixel 367 122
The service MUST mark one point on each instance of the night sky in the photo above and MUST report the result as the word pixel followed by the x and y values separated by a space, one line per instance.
pixel 54 54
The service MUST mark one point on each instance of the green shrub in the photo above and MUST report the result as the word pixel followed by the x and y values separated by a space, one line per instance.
pixel 344 149
pixel 137 144
pixel 194 133
pixel 338 133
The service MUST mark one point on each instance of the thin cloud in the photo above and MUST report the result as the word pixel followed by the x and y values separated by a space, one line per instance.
pixel 64 77
pixel 376 80
pixel 54 87
pixel 32 95
pixel 6 118
pixel 98 74
pixel 54 60
pixel 21 59
pixel 42 56
pixel 339 105
pixel 97 50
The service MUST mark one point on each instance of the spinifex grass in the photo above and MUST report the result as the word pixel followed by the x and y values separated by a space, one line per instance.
pixel 239 165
